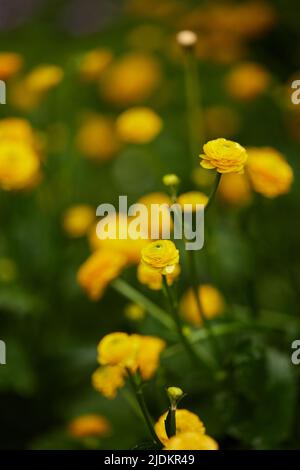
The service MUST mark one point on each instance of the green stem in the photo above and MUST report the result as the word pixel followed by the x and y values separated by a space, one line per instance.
pixel 132 294
pixel 144 409
pixel 213 191
pixel 174 312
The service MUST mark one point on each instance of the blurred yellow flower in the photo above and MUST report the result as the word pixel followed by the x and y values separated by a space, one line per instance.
pixel 99 270
pixel 247 80
pixel 97 138
pixel 138 125
pixel 157 225
pixel 148 355
pixel 118 349
pixel 224 155
pixel 10 64
pixel 93 64
pixel 108 379
pixel 152 278
pixel 134 312
pixel 161 255
pixel 191 441
pixel 186 421
pixel 211 299
pixel 43 78
pixel 193 198
pixel 77 220
pixel 19 165
pixel 16 129
pixel 89 425
pixel 131 79
pixel 130 248
pixel 235 189
pixel 269 172
pixel 22 98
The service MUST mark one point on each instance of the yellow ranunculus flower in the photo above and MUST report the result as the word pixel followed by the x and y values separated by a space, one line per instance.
pixel 247 81
pixel 19 165
pixel 93 64
pixel 191 441
pixel 235 189
pixel 78 219
pixel 89 425
pixel 269 172
pixel 148 355
pixel 224 155
pixel 161 255
pixel 10 64
pixel 118 349
pixel 108 379
pixel 138 125
pixel 128 247
pixel 193 198
pixel 97 138
pixel 99 270
pixel 131 79
pixel 211 299
pixel 43 78
pixel 153 278
pixel 186 421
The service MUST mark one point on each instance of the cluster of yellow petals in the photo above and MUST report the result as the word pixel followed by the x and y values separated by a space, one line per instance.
pixel 152 278
pixel 128 247
pixel 78 220
pixel 102 267
pixel 118 352
pixel 138 125
pixel 19 159
pixel 160 255
pixel 186 421
pixel 269 172
pixel 191 441
pixel 212 303
pixel 89 425
pixel 224 155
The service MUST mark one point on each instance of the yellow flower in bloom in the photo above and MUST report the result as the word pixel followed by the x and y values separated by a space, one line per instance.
pixel 235 189
pixel 94 63
pixel 163 221
pixel 17 129
pixel 97 138
pixel 153 278
pixel 269 172
pixel 161 255
pixel 128 247
pixel 10 64
pixel 89 425
pixel 247 81
pixel 193 198
pixel 43 78
pixel 138 125
pixel 148 355
pixel 134 312
pixel 191 441
pixel 224 155
pixel 131 79
pixel 211 300
pixel 108 379
pixel 186 421
pixel 19 165
pixel 98 271
pixel 118 349
pixel 78 219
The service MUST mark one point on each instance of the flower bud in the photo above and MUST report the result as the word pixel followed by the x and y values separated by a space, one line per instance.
pixel 186 38
pixel 171 180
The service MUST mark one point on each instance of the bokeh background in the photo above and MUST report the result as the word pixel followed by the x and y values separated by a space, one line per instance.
pixel 50 327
